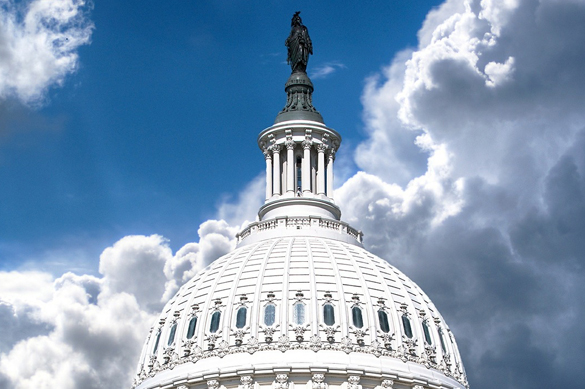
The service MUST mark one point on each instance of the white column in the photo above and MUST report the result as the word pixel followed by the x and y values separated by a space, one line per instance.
pixel 290 166
pixel 268 157
pixel 306 176
pixel 276 169
pixel 330 173
pixel 321 169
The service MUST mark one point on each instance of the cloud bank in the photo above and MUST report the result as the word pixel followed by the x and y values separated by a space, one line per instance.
pixel 472 183
pixel 85 331
pixel 38 45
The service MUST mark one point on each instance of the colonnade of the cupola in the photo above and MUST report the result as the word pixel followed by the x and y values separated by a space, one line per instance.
pixel 299 158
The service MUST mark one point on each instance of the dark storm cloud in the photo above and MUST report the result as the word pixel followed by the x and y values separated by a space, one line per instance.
pixel 493 231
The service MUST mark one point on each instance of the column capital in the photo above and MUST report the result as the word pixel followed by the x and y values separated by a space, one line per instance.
pixel 290 144
pixel 307 143
pixel 276 149
pixel 321 147
pixel 331 153
pixel 267 152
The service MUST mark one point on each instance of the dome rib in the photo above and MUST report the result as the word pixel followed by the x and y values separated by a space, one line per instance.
pixel 365 291
pixel 285 289
pixel 255 318
pixel 339 283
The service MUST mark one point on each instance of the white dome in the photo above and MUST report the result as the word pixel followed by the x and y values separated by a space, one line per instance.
pixel 300 268
pixel 300 302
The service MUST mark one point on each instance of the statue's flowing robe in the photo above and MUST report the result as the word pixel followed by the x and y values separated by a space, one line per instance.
pixel 299 47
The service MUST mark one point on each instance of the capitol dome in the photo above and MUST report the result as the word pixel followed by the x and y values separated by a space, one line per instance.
pixel 300 302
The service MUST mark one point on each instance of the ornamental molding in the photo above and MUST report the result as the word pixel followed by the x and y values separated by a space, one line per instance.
pixel 387 384
pixel 353 382
pixel 378 347
pixel 281 382
pixel 246 382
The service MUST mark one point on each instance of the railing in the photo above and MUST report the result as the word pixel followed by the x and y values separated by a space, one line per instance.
pixel 299 223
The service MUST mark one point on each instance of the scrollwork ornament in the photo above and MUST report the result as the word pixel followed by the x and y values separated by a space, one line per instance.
pixel 246 382
pixel 315 342
pixel 387 384
pixel 353 382
pixel 318 381
pixel 212 384
pixel 281 382
pixel 283 343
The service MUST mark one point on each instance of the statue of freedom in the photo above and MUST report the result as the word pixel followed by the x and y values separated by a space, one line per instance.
pixel 299 45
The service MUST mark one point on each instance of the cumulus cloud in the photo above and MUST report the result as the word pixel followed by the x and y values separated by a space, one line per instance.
pixel 38 45
pixel 491 223
pixel 82 331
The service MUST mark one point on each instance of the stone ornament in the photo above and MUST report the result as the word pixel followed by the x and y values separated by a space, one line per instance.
pixel 281 382
pixel 246 382
pixel 317 382
pixel 387 384
pixel 353 382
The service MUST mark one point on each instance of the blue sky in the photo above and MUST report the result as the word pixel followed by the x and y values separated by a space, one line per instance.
pixel 128 161
pixel 158 124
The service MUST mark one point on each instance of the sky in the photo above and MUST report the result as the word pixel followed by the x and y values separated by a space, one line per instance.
pixel 128 161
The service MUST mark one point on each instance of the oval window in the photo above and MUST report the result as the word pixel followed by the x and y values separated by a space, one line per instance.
pixel 406 325
pixel 214 326
pixel 241 317
pixel 356 315
pixel 172 334
pixel 299 313
pixel 156 342
pixel 427 333
pixel 328 314
pixel 383 318
pixel 192 326
pixel 269 314
pixel 442 341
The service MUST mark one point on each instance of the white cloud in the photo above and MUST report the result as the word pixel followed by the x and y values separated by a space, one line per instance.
pixel 326 69
pixel 85 331
pixel 38 43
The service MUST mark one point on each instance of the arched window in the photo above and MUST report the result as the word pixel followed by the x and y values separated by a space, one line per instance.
pixel 427 333
pixel 328 314
pixel 383 319
pixel 442 341
pixel 192 326
pixel 406 325
pixel 241 317
pixel 299 313
pixel 172 334
pixel 356 315
pixel 156 342
pixel 299 173
pixel 269 314
pixel 214 326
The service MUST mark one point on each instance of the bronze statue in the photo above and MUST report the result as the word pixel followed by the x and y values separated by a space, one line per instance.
pixel 299 45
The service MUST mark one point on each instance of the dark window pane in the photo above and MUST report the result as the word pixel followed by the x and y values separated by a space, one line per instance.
pixel 192 326
pixel 299 313
pixel 172 334
pixel 383 318
pixel 356 315
pixel 214 326
pixel 241 317
pixel 427 333
pixel 328 314
pixel 269 314
pixel 406 325
pixel 156 342
pixel 442 341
